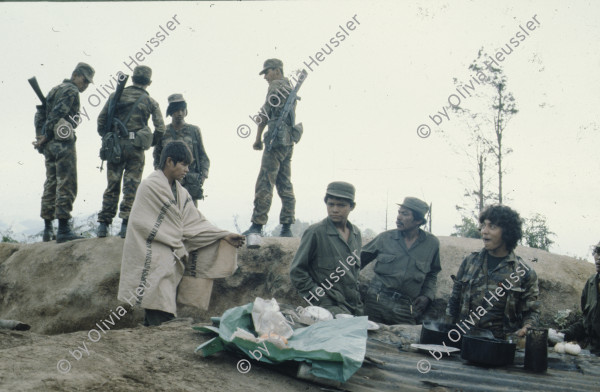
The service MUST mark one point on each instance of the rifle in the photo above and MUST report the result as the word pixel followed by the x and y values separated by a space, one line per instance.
pixel 36 87
pixel 40 116
pixel 112 105
pixel 287 110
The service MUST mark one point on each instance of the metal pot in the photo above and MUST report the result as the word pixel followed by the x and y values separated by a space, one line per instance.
pixel 487 351
pixel 437 333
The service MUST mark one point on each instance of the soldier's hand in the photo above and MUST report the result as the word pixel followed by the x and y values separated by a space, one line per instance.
pixel 257 145
pixel 236 240
pixel 156 137
pixel 39 142
pixel 521 332
pixel 421 303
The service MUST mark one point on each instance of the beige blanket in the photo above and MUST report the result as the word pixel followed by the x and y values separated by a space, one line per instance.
pixel 166 241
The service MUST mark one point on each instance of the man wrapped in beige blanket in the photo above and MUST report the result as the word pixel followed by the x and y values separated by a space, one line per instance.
pixel 171 252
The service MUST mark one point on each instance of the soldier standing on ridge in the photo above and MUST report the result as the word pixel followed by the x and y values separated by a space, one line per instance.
pixel 57 142
pixel 191 136
pixel 133 111
pixel 275 169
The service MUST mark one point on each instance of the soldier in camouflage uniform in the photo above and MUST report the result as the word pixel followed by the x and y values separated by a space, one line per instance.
pixel 275 169
pixel 133 109
pixel 326 266
pixel 179 130
pixel 56 140
pixel 588 327
pixel 494 289
pixel 406 267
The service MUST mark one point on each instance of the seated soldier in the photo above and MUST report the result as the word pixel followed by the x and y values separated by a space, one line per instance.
pixel 588 328
pixel 493 288
pixel 326 266
pixel 408 262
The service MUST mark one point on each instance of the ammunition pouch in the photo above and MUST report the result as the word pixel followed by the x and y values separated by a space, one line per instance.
pixel 297 131
pixel 111 148
pixel 63 131
pixel 143 138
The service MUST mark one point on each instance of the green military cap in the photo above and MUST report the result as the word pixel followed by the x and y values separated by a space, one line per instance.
pixel 341 189
pixel 86 70
pixel 415 204
pixel 143 70
pixel 271 63
pixel 175 98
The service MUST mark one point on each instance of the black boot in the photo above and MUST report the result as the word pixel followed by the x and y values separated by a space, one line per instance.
pixel 123 228
pixel 254 229
pixel 49 234
pixel 102 230
pixel 65 233
pixel 286 231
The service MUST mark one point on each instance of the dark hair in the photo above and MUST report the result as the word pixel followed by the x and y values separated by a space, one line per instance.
pixel 141 80
pixel 508 219
pixel 328 196
pixel 417 216
pixel 177 151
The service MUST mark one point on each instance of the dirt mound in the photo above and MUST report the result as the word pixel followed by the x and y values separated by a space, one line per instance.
pixel 58 288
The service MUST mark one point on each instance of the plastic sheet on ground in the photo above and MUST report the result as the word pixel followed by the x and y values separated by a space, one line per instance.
pixel 335 348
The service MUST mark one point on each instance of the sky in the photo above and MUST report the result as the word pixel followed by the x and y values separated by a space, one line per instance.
pixel 360 107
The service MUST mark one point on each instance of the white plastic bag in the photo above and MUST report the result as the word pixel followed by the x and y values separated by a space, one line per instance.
pixel 313 314
pixel 268 320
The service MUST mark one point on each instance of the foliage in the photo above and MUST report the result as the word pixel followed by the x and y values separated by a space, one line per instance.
pixel 8 236
pixel 536 233
pixel 468 229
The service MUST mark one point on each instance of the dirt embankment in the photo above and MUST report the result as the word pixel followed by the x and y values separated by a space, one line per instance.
pixel 62 288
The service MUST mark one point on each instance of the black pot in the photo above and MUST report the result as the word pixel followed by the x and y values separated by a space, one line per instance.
pixel 487 351
pixel 437 333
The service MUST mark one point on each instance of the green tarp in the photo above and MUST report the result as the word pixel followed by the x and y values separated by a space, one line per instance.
pixel 334 348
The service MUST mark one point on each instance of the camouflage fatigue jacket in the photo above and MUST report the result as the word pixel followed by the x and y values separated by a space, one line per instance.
pixel 411 272
pixel 191 136
pixel 277 94
pixel 61 102
pixel 503 301
pixel 139 118
pixel 326 262
pixel 589 326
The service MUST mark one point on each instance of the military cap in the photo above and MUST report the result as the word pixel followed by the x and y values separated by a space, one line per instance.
pixel 415 204
pixel 271 63
pixel 175 98
pixel 86 70
pixel 143 70
pixel 341 189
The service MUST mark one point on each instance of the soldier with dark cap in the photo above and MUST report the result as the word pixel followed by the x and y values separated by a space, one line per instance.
pixel 275 169
pixel 406 268
pixel 326 266
pixel 57 142
pixel 133 111
pixel 191 136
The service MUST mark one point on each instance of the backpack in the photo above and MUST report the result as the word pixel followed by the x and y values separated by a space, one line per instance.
pixel 111 148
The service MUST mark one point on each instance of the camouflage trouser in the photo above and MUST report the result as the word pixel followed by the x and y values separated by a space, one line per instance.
pixel 384 308
pixel 60 188
pixel 132 163
pixel 275 170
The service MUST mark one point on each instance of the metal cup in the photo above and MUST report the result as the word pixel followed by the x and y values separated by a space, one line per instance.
pixel 253 241
pixel 536 350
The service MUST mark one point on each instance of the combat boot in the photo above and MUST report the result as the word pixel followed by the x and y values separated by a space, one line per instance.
pixel 254 229
pixel 49 234
pixel 102 230
pixel 123 231
pixel 286 231
pixel 65 233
